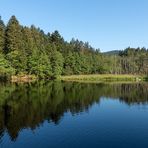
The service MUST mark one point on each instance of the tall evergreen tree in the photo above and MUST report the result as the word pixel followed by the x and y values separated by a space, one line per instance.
pixel 13 35
pixel 14 45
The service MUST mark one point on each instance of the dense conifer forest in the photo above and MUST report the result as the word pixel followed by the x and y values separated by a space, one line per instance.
pixel 30 51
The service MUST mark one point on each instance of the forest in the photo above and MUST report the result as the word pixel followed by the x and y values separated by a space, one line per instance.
pixel 30 51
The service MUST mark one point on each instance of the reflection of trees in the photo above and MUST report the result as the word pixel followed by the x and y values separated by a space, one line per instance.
pixel 28 105
pixel 130 93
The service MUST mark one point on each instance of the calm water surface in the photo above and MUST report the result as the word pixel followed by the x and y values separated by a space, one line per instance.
pixel 72 115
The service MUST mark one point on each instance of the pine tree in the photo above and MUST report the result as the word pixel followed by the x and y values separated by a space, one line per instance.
pixel 14 45
pixel 13 35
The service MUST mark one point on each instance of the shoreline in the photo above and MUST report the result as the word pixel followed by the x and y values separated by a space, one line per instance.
pixel 105 78
pixel 84 78
pixel 23 78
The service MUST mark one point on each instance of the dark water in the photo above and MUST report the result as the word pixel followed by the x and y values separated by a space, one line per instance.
pixel 72 115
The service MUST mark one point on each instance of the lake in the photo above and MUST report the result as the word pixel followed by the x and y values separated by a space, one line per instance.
pixel 71 115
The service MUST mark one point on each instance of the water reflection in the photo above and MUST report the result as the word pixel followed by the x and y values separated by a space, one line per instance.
pixel 29 105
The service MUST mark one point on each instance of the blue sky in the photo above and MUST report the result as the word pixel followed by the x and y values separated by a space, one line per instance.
pixel 106 24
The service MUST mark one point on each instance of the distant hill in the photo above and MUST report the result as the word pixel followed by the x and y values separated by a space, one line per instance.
pixel 113 52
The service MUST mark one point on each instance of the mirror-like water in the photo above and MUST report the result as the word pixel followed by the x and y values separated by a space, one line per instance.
pixel 71 115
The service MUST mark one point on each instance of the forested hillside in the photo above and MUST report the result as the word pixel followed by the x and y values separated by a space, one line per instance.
pixel 112 52
pixel 30 51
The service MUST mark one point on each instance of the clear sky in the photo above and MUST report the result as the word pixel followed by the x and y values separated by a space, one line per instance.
pixel 106 24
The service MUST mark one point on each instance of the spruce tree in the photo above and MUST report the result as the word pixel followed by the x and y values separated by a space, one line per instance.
pixel 13 35
pixel 14 45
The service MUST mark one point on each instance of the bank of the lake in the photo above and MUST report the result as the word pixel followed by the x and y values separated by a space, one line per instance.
pixel 104 77
pixel 84 78
pixel 23 78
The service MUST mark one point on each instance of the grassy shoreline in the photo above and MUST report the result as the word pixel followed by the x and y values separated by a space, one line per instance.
pixel 23 78
pixel 104 78
pixel 85 78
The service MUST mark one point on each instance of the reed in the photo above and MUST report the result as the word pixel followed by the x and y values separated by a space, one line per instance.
pixel 103 77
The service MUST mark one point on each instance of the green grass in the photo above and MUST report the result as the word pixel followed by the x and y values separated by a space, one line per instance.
pixel 103 78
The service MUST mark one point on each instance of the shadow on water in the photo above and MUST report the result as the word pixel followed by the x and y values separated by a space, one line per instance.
pixel 146 79
pixel 29 105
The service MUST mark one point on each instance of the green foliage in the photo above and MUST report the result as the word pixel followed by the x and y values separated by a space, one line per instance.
pixel 13 35
pixel 134 60
pixel 16 60
pixel 39 64
pixel 2 35
pixel 5 68
pixel 29 51
pixel 69 64
pixel 56 59
pixel 14 46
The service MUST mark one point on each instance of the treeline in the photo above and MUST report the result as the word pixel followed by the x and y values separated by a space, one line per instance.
pixel 134 60
pixel 30 51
